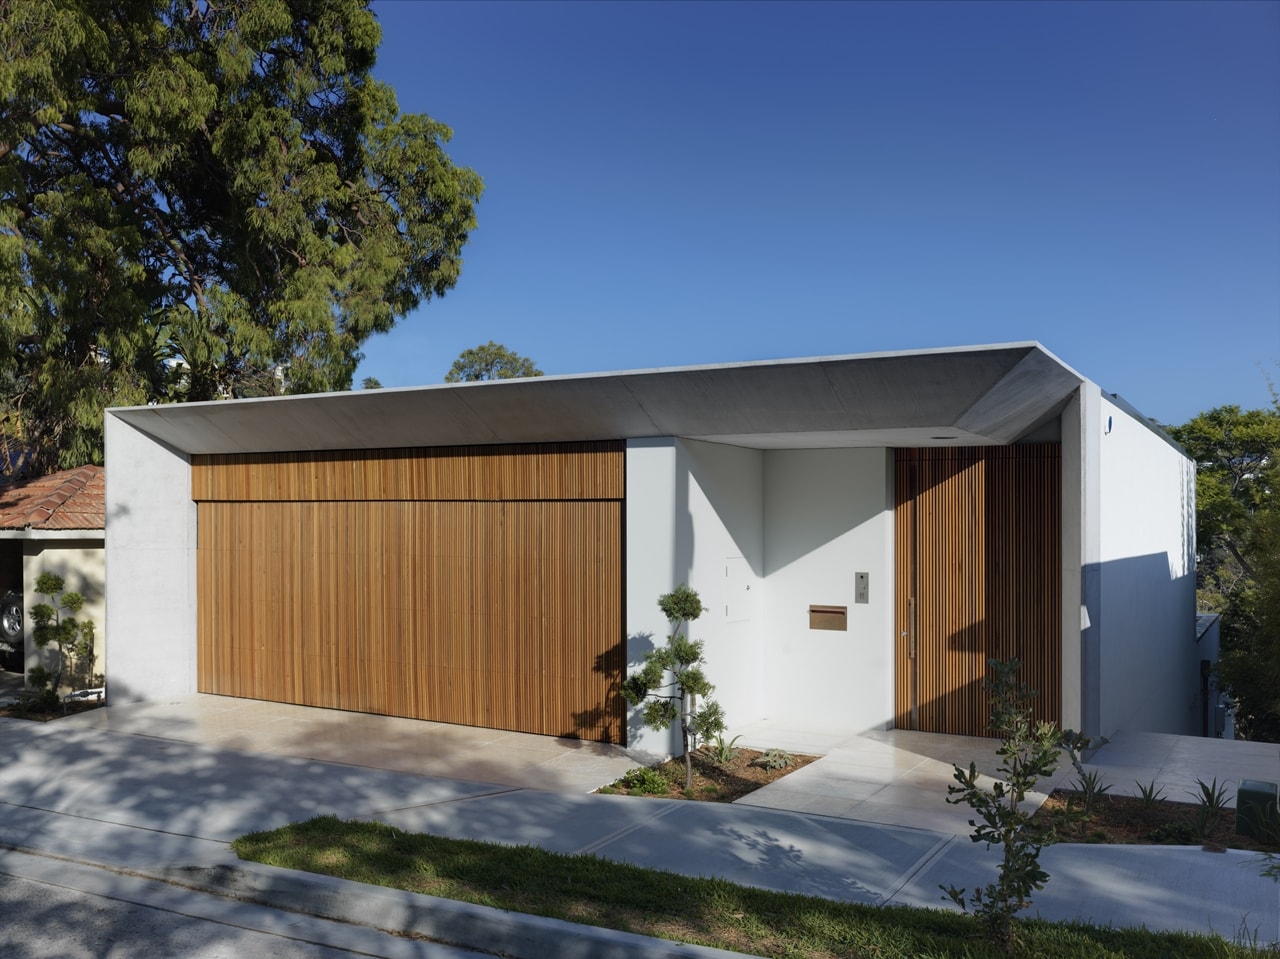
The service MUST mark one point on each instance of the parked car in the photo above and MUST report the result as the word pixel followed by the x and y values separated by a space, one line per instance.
pixel 11 632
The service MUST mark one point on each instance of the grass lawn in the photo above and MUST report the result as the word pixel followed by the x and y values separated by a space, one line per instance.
pixel 711 912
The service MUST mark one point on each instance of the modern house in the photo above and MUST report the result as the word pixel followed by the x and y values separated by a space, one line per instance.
pixel 53 524
pixel 866 532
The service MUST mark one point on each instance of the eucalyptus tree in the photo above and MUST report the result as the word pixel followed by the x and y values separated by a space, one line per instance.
pixel 202 199
pixel 1237 454
pixel 490 361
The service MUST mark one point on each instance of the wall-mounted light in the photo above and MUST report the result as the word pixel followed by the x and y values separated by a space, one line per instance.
pixel 1108 429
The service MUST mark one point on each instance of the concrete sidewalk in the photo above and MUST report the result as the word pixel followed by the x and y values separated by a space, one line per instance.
pixel 158 807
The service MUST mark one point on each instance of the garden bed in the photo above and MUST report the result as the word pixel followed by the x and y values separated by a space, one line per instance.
pixel 712 781
pixel 1133 820
pixel 18 711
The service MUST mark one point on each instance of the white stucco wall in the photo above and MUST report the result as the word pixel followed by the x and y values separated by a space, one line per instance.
pixel 151 568
pixel 695 516
pixel 1144 607
pixel 828 515
pixel 1078 537
pixel 81 564
pixel 762 535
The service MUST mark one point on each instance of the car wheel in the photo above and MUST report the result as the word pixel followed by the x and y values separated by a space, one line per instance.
pixel 11 632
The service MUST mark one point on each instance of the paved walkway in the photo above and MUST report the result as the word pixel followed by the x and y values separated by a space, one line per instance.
pixel 166 802
pixel 900 778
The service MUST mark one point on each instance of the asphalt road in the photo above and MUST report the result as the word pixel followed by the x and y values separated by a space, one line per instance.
pixel 60 910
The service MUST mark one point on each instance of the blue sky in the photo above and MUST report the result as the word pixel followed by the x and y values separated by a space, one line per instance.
pixel 680 183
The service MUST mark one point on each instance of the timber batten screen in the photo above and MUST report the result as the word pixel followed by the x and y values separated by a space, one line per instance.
pixel 476 585
pixel 978 534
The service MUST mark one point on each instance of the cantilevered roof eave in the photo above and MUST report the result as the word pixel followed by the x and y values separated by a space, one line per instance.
pixel 969 395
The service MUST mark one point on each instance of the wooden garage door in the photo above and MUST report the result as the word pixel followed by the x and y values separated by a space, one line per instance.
pixel 978 556
pixel 479 586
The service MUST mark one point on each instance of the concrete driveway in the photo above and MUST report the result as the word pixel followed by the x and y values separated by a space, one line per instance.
pixel 166 786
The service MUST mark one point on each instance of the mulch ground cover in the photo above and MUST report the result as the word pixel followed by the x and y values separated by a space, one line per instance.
pixel 716 782
pixel 1132 820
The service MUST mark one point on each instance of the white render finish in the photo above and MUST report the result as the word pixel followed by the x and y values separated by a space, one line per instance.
pixel 829 515
pixel 651 543
pixel 151 563
pixel 694 516
pixel 1074 538
pixel 1148 664
pixel 761 536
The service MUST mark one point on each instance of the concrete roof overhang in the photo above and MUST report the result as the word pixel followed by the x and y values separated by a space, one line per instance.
pixel 980 395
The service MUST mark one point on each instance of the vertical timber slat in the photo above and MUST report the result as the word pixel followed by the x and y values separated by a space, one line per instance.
pixel 480 586
pixel 978 545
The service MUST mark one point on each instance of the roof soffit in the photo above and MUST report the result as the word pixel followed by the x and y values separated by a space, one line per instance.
pixel 975 394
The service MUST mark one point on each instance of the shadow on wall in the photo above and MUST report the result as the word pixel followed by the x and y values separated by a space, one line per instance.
pixel 1140 664
pixel 736 501
pixel 639 645
pixel 605 722
pixel 821 500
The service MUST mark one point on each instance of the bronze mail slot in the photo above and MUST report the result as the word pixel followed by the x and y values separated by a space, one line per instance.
pixel 829 617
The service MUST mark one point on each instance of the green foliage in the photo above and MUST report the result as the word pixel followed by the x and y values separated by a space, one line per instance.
pixel 1150 793
pixel 200 200
pixel 1249 666
pixel 1237 456
pixel 774 759
pixel 71 639
pixel 490 361
pixel 723 752
pixel 670 680
pixel 1091 788
pixel 370 383
pixel 707 911
pixel 644 779
pixel 40 693
pixel 1178 833
pixel 1213 802
pixel 1028 752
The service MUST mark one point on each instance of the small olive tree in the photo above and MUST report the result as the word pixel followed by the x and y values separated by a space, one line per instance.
pixel 671 680
pixel 54 624
pixel 1028 751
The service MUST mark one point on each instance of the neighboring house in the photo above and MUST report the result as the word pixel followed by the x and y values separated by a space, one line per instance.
pixel 53 524
pixel 866 532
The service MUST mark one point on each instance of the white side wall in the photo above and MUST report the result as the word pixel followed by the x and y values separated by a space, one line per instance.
pixel 151 568
pixel 81 564
pixel 695 516
pixel 828 515
pixel 762 536
pixel 1078 537
pixel 1144 610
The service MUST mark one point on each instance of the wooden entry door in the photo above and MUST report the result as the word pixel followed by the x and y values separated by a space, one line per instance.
pixel 978 577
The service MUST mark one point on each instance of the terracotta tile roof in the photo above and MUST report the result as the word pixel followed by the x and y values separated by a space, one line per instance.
pixel 71 499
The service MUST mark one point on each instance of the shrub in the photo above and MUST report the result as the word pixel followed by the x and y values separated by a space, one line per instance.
pixel 668 700
pixel 1028 752
pixel 774 759
pixel 650 782
pixel 1151 794
pixel 1213 800
pixel 71 639
pixel 723 752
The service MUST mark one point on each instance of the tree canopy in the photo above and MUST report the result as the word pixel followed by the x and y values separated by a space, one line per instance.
pixel 490 361
pixel 1237 454
pixel 201 200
